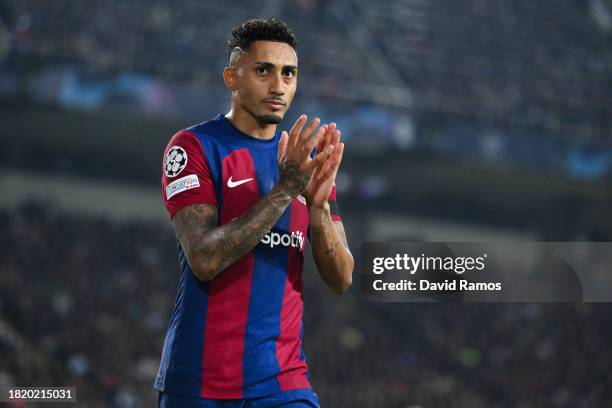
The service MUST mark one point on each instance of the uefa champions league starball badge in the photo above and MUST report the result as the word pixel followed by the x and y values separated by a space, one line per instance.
pixel 175 162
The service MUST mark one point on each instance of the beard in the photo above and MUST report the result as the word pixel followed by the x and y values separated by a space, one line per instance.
pixel 269 119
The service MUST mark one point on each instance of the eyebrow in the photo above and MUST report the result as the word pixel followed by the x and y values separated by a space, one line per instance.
pixel 271 65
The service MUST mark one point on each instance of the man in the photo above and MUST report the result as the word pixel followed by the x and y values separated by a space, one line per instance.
pixel 243 197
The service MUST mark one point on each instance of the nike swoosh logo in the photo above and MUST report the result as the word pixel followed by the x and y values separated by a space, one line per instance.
pixel 232 184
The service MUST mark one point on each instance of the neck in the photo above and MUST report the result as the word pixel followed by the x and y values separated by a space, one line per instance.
pixel 247 123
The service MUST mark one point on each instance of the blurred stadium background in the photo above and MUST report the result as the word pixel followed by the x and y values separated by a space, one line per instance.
pixel 464 120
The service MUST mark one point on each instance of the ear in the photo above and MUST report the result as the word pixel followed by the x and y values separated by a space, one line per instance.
pixel 230 78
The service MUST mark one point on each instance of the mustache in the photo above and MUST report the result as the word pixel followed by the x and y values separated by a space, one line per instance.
pixel 275 100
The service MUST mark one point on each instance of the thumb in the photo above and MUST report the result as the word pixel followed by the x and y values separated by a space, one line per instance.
pixel 282 145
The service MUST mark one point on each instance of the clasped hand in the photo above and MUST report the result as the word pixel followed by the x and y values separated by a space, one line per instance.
pixel 314 177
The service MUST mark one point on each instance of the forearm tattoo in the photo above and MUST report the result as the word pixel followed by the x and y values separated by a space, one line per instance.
pixel 210 248
pixel 330 250
pixel 323 239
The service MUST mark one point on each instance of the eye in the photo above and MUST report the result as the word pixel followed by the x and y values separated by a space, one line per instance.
pixel 288 73
pixel 262 70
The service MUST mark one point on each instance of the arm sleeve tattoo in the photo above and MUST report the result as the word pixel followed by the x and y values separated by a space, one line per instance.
pixel 211 248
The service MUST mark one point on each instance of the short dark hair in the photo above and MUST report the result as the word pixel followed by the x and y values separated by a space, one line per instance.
pixel 259 29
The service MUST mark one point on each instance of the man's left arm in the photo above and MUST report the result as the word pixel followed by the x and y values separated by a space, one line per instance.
pixel 330 249
pixel 327 237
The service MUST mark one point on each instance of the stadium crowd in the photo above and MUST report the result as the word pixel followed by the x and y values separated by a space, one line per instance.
pixel 537 65
pixel 84 302
pixel 526 64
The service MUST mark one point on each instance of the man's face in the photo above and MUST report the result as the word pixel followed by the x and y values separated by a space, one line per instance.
pixel 266 80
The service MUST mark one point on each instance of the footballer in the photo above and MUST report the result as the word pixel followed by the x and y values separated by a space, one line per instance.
pixel 243 198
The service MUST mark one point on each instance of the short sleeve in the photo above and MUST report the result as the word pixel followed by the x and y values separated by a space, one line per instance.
pixel 186 176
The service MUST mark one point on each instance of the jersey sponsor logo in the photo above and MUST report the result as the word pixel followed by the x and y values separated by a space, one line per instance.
pixel 232 184
pixel 295 239
pixel 175 161
pixel 182 184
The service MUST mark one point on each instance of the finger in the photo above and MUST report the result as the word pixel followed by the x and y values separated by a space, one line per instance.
pixel 330 132
pixel 282 145
pixel 307 132
pixel 319 159
pixel 322 142
pixel 297 129
pixel 320 146
pixel 325 168
pixel 336 138
pixel 339 151
pixel 326 138
pixel 314 140
pixel 332 164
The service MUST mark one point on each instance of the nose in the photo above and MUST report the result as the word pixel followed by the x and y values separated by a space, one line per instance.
pixel 277 85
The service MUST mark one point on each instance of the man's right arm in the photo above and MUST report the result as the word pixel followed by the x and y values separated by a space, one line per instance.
pixel 210 248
